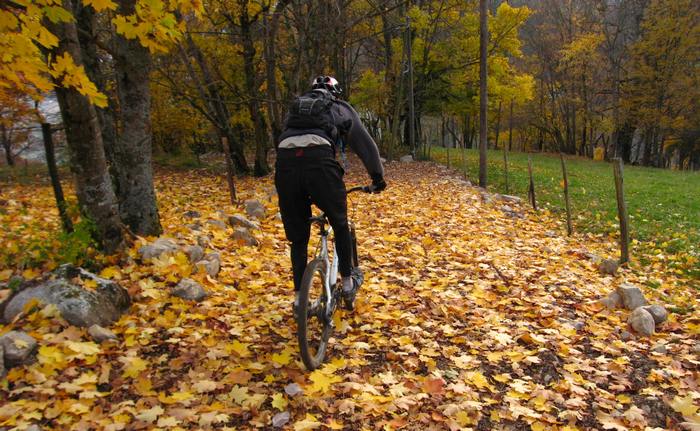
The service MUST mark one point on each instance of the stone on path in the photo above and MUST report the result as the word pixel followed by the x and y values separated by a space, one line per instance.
pixel 608 267
pixel 80 306
pixel 660 348
pixel 406 159
pixel 211 264
pixel 243 235
pixel 510 198
pixel 157 248
pixel 192 214
pixel 632 296
pixel 190 290
pixel 626 336
pixel 217 224
pixel 194 253
pixel 658 312
pixel 612 301
pixel 239 220
pixel 18 348
pixel 254 208
pixel 203 240
pixel 642 322
pixel 280 419
pixel 100 334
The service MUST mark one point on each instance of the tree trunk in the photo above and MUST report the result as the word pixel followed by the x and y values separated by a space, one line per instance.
pixel 483 122
pixel 132 149
pixel 86 21
pixel 261 166
pixel 274 113
pixel 55 181
pixel 211 95
pixel 498 124
pixel 7 145
pixel 92 182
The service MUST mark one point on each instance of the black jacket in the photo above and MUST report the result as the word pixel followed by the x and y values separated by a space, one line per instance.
pixel 353 132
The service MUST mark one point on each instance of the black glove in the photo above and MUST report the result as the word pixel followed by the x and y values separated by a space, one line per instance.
pixel 378 183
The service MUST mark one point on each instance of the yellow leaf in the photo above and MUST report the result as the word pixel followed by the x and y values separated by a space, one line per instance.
pixel 283 358
pixel 134 366
pixel 100 5
pixel 684 406
pixel 111 272
pixel 5 274
pixel 239 394
pixel 51 355
pixel 308 423
pixel 279 402
pixel 150 415
pixel 322 382
pixel 83 348
pixel 203 386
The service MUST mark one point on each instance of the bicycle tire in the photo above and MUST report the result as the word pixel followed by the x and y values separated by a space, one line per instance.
pixel 311 360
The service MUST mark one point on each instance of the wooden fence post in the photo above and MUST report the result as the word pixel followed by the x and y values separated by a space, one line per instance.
pixel 230 168
pixel 505 167
pixel 567 201
pixel 622 211
pixel 531 188
pixel 55 180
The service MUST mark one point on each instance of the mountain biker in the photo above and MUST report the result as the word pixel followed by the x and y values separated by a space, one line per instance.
pixel 307 172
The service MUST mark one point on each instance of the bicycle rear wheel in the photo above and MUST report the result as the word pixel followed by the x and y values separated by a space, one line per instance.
pixel 313 329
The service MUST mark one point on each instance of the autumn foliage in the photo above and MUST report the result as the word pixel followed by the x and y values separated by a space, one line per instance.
pixel 469 318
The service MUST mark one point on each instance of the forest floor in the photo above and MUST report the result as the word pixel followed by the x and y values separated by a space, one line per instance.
pixel 664 205
pixel 475 314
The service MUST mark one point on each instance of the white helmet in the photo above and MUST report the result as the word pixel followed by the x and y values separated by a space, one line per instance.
pixel 328 83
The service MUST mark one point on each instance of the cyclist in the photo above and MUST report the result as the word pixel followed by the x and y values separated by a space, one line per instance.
pixel 307 172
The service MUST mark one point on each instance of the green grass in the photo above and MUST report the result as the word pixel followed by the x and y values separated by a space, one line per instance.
pixel 664 205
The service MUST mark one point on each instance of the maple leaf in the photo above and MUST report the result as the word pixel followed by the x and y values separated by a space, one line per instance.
pixel 150 415
pixel 203 386
pixel 308 423
pixel 322 381
pixel 239 394
pixel 134 366
pixel 100 5
pixel 684 405
pixel 279 402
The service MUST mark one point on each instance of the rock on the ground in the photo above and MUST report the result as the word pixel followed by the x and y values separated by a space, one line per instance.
pixel 254 208
pixel 579 325
pixel 551 234
pixel 244 236
pixel 660 348
pixel 486 197
pixel 211 264
pixel 696 348
pixel 239 220
pixel 192 214
pixel 406 159
pixel 632 296
pixel 194 253
pixel 80 306
pixel 2 362
pixel 608 267
pixel 642 322
pixel 203 241
pixel 626 336
pixel 612 301
pixel 658 312
pixel 157 248
pixel 280 419
pixel 100 334
pixel 190 290
pixel 19 348
pixel 512 199
pixel 217 224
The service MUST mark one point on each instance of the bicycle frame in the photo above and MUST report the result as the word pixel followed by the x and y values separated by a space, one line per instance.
pixel 331 272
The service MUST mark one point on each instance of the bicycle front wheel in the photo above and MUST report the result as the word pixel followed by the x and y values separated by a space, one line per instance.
pixel 313 329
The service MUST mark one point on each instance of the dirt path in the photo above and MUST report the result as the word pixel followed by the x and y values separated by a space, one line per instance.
pixel 476 313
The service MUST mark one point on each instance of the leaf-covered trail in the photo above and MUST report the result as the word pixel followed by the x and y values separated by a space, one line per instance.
pixel 470 317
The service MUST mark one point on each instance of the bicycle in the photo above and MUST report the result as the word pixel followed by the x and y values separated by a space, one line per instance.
pixel 320 292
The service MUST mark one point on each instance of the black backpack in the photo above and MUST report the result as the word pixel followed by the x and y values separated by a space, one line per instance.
pixel 312 110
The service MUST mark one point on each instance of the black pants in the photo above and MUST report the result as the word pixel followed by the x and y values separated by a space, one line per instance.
pixel 312 175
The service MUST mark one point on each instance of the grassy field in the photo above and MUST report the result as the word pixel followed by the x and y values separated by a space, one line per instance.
pixel 664 205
